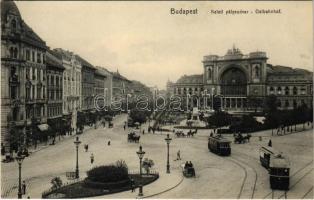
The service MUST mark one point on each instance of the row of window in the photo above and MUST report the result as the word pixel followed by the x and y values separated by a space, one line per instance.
pixel 32 56
pixel 54 111
pixel 38 112
pixel 35 92
pixel 55 94
pixel 187 90
pixel 286 90
pixel 54 80
pixel 33 73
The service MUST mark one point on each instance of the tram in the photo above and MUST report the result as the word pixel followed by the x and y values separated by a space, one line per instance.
pixel 266 153
pixel 219 145
pixel 279 169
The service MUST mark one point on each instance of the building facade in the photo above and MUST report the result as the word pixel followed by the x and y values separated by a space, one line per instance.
pixel 88 92
pixel 72 86
pixel 243 81
pixel 23 72
pixel 107 85
pixel 99 89
pixel 54 90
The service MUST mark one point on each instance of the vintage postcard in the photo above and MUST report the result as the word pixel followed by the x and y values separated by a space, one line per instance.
pixel 157 99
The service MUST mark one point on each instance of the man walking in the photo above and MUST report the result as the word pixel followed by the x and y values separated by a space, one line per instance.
pixel 92 158
pixel 178 155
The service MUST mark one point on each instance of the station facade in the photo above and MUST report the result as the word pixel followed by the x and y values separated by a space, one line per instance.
pixel 242 82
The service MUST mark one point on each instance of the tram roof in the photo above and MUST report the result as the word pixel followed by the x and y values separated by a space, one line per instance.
pixel 219 139
pixel 271 150
pixel 279 162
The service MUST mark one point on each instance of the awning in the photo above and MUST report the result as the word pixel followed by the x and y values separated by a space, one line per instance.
pixel 43 127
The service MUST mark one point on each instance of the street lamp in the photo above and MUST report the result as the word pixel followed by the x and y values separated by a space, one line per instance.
pixel 168 140
pixel 19 160
pixel 77 143
pixel 213 89
pixel 140 154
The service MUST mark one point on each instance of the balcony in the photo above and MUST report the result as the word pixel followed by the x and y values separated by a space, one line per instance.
pixel 16 102
pixel 14 80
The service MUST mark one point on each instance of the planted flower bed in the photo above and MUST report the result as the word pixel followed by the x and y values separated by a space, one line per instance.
pixel 102 180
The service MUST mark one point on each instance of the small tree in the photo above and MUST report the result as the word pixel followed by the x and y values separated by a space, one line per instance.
pixel 148 164
pixel 56 183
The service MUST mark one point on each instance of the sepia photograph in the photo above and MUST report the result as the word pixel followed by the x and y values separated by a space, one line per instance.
pixel 157 100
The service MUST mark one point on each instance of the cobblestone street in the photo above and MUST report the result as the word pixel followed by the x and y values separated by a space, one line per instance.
pixel 238 176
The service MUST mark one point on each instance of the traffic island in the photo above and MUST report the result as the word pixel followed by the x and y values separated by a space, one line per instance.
pixel 88 188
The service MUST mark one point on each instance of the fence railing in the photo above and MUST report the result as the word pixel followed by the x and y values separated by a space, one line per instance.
pixel 51 190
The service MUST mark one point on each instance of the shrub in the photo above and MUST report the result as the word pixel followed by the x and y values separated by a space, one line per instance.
pixel 56 183
pixel 109 173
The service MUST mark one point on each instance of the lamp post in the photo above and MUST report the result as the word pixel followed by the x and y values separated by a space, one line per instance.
pixel 19 160
pixel 77 143
pixel 140 154
pixel 168 140
pixel 213 89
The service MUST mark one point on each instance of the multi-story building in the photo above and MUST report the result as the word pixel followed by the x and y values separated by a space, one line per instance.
pixel 54 90
pixel 120 86
pixel 72 85
pixel 108 85
pixel 99 89
pixel 88 92
pixel 238 80
pixel 23 72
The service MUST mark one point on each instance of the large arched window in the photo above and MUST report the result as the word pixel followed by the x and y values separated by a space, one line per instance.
pixel 233 82
pixel 271 90
pixel 209 73
pixel 295 90
pixel 15 53
pixel 256 71
pixel 279 90
pixel 286 90
pixel 13 24
pixel 287 103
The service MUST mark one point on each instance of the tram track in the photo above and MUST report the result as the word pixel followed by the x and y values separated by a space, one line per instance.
pixel 295 183
pixel 253 169
pixel 303 197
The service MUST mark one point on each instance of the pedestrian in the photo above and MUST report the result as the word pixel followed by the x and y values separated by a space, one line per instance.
pixel 124 127
pixel 269 143
pixel 178 155
pixel 109 143
pixel 92 158
pixel 143 131
pixel 28 197
pixel 23 187
pixel 132 185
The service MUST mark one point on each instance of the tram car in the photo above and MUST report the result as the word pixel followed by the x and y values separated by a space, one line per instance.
pixel 279 168
pixel 266 152
pixel 219 145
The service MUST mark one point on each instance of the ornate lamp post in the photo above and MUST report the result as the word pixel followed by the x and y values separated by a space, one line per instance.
pixel 19 160
pixel 77 143
pixel 140 154
pixel 168 140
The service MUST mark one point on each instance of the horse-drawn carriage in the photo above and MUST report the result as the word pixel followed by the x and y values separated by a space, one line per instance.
pixel 240 139
pixel 188 170
pixel 190 133
pixel 132 137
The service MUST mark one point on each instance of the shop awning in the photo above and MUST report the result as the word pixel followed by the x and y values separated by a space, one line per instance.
pixel 43 127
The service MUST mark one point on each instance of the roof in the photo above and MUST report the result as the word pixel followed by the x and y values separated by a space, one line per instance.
pixel 117 75
pixel 28 35
pixel 9 7
pixel 197 78
pixel 53 61
pixel 84 62
pixel 219 138
pixel 279 161
pixel 100 72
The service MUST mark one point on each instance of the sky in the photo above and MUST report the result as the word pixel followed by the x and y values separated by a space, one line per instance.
pixel 145 42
